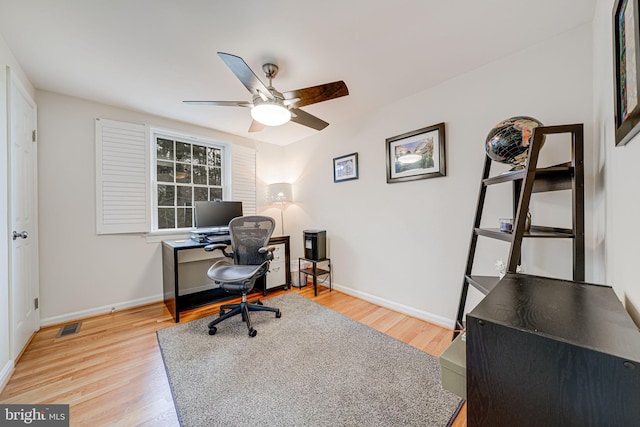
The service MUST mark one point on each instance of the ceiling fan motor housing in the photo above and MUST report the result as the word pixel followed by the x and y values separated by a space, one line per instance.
pixel 270 71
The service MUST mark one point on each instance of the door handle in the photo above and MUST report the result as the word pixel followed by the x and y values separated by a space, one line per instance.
pixel 22 235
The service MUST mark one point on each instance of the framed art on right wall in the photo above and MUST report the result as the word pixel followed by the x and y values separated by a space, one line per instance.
pixel 626 53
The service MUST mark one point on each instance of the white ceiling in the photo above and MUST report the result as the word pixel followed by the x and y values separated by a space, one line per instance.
pixel 149 55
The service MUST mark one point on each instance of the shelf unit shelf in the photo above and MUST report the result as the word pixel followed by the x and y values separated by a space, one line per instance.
pixel 553 178
pixel 483 283
pixel 535 232
pixel 526 181
pixel 312 269
pixel 319 271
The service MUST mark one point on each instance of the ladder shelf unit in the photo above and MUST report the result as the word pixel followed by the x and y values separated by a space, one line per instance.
pixel 526 181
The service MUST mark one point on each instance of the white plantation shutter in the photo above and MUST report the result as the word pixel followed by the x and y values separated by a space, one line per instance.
pixel 243 183
pixel 122 178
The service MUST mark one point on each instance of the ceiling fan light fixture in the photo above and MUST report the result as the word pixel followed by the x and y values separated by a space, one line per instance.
pixel 270 113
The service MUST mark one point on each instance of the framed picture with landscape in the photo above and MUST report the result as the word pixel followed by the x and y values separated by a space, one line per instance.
pixel 345 168
pixel 419 154
pixel 626 59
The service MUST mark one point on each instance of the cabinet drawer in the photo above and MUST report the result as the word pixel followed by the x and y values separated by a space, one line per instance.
pixel 277 275
pixel 198 254
pixel 278 254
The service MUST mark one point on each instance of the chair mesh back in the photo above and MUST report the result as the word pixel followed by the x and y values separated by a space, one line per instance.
pixel 248 234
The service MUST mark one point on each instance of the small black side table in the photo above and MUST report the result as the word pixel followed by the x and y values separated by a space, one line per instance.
pixel 314 271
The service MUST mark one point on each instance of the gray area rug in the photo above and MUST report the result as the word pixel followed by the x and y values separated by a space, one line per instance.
pixel 311 367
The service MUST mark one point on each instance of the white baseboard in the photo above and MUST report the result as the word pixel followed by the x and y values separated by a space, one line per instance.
pixel 53 320
pixel 5 374
pixel 411 311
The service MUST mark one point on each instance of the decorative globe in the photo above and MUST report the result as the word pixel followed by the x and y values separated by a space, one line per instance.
pixel 508 142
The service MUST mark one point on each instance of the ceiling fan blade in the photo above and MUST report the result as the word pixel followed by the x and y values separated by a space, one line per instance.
pixel 306 119
pixel 314 94
pixel 256 126
pixel 222 103
pixel 245 75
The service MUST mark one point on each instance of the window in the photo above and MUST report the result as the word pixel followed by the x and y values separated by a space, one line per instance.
pixel 186 171
pixel 147 180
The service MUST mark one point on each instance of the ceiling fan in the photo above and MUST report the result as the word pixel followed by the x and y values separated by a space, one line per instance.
pixel 272 108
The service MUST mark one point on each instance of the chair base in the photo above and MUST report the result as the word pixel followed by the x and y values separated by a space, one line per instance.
pixel 242 308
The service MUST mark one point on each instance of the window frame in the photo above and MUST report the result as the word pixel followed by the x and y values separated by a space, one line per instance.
pixel 226 175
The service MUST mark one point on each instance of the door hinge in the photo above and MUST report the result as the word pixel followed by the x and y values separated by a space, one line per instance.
pixel 35 303
pixel 34 134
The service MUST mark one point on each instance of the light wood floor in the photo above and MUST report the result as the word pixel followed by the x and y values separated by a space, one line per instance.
pixel 111 372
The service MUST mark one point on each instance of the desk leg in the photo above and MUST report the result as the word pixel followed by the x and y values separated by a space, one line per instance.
pixel 315 279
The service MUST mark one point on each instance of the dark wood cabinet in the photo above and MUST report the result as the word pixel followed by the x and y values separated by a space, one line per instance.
pixel 550 352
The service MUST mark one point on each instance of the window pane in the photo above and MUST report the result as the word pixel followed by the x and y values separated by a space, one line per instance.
pixel 200 175
pixel 166 218
pixel 200 194
pixel 183 152
pixel 214 157
pixel 165 171
pixel 215 177
pixel 166 195
pixel 216 193
pixel 186 171
pixel 184 196
pixel 164 149
pixel 199 155
pixel 183 173
pixel 184 217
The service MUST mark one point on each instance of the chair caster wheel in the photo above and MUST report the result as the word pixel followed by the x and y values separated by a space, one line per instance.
pixel 278 314
pixel 252 333
pixel 213 330
pixel 259 302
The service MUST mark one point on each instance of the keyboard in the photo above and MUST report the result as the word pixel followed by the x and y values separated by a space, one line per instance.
pixel 218 238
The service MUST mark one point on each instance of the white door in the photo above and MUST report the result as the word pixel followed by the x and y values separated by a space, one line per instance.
pixel 24 286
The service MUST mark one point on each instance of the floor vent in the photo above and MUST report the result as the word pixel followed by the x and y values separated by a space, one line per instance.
pixel 69 329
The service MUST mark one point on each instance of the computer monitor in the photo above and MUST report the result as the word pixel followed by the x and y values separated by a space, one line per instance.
pixel 215 216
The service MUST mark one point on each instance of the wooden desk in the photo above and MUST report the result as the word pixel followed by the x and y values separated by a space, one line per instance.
pixel 184 274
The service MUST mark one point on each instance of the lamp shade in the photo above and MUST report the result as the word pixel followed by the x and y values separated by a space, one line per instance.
pixel 270 114
pixel 280 192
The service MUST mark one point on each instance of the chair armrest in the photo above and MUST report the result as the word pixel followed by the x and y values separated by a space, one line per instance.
pixel 221 246
pixel 267 250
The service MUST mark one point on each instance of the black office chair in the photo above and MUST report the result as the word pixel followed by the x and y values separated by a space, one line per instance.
pixel 251 255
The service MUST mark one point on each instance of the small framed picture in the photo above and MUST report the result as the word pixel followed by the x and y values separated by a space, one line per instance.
pixel 345 168
pixel 416 155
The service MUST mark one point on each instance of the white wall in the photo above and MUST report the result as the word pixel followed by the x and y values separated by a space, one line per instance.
pixel 6 60
pixel 405 245
pixel 82 273
pixel 618 207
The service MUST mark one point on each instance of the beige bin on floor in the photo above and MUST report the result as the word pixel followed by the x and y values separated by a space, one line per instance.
pixel 453 367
